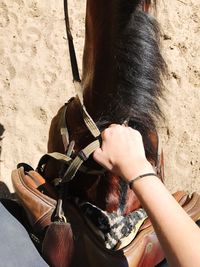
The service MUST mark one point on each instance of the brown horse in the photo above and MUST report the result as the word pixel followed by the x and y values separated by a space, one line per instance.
pixel 121 81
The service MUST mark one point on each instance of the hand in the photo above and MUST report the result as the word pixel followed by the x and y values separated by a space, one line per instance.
pixel 122 152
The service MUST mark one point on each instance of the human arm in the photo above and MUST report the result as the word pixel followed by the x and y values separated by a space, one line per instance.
pixel 122 152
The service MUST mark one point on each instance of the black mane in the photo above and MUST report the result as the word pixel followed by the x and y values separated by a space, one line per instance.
pixel 138 68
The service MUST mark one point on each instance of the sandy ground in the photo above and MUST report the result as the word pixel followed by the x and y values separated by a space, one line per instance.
pixel 35 80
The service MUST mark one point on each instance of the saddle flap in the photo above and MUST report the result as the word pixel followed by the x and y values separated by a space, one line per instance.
pixel 38 206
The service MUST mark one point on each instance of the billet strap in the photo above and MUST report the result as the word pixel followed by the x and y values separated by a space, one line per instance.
pixel 160 166
pixel 160 161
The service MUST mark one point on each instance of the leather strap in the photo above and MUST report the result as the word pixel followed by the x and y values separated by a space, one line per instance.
pixel 76 77
pixel 72 53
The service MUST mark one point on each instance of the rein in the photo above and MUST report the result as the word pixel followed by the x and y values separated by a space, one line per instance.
pixel 83 155
pixel 73 164
pixel 91 125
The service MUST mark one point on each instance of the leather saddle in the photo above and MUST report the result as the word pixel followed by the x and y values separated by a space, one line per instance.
pixel 76 242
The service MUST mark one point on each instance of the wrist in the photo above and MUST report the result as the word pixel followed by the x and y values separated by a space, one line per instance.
pixel 142 167
pixel 135 179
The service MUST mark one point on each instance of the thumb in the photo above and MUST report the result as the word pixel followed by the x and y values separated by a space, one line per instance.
pixel 97 155
pixel 100 158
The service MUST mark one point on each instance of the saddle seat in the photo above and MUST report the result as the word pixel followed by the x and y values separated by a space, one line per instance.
pixel 77 242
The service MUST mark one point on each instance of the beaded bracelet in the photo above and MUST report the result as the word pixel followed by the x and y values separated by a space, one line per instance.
pixel 140 176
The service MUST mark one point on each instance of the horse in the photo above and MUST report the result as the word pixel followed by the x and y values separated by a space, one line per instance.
pixel 93 218
pixel 121 81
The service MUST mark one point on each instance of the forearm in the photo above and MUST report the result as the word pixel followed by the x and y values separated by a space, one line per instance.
pixel 177 233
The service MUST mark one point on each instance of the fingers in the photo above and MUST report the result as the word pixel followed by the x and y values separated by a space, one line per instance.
pixel 113 125
pixel 109 131
pixel 119 130
pixel 120 145
pixel 97 154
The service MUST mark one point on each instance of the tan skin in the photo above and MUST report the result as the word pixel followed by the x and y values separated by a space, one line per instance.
pixel 177 233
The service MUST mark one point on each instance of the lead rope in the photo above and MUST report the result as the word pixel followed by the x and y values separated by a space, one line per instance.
pixel 76 77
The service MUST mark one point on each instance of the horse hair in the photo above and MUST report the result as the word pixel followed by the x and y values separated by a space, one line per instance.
pixel 138 69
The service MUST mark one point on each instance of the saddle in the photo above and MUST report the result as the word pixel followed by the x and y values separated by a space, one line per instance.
pixel 75 241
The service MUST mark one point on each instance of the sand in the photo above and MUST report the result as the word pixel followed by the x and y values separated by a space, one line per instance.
pixel 35 80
